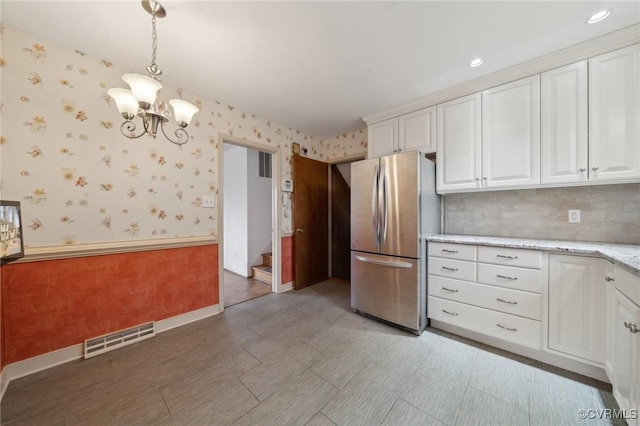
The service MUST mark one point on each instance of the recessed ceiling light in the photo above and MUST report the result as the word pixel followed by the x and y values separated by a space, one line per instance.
pixel 476 62
pixel 597 17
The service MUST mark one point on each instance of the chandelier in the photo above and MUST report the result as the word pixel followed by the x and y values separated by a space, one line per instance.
pixel 142 99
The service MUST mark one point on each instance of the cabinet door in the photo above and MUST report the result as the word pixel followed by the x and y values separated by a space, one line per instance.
pixel 418 131
pixel 626 380
pixel 576 306
pixel 511 134
pixel 383 138
pixel 614 115
pixel 564 124
pixel 609 312
pixel 458 144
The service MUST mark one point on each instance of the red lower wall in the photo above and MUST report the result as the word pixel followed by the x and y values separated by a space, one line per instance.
pixel 54 304
pixel 287 260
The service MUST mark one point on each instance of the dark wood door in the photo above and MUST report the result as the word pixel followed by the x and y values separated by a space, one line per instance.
pixel 310 221
pixel 340 226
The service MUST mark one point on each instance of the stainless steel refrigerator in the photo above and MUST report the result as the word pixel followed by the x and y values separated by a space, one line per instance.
pixel 394 207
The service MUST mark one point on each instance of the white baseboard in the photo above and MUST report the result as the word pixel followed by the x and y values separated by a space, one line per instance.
pixel 286 287
pixel 38 363
pixel 186 318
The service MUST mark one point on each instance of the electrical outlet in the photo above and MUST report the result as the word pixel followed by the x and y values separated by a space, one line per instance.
pixel 208 201
pixel 574 216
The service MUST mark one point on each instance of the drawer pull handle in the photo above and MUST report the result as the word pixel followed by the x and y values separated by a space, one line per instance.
pixel 449 251
pixel 506 301
pixel 506 328
pixel 632 327
pixel 450 269
pixel 449 290
pixel 455 314
pixel 506 257
pixel 505 277
pixel 608 279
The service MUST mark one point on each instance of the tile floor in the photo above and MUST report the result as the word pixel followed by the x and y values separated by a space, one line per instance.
pixel 302 357
pixel 239 289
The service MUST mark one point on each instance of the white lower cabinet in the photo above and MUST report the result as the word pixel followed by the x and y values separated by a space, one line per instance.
pixel 577 312
pixel 576 306
pixel 512 328
pixel 623 358
pixel 500 301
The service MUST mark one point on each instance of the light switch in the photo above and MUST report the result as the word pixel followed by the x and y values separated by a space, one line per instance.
pixel 208 201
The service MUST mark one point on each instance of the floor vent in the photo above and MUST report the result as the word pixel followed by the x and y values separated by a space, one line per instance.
pixel 108 342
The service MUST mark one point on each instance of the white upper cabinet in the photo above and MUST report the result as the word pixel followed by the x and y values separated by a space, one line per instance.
pixel 511 134
pixel 458 144
pixel 578 124
pixel 383 138
pixel 614 115
pixel 564 125
pixel 418 131
pixel 409 132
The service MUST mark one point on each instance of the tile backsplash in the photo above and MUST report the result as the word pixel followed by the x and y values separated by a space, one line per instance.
pixel 609 213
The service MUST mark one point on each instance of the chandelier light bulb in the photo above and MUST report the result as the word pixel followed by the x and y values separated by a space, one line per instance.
pixel 183 111
pixel 144 89
pixel 125 101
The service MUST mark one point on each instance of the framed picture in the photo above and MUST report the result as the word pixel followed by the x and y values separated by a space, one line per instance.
pixel 11 243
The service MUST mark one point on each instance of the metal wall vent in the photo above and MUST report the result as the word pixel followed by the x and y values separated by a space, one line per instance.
pixel 108 342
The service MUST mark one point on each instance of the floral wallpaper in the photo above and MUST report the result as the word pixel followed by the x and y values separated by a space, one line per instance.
pixel 81 181
pixel 349 144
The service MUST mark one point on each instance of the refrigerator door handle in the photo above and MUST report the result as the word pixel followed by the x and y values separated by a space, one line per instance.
pixel 374 208
pixel 385 205
pixel 391 263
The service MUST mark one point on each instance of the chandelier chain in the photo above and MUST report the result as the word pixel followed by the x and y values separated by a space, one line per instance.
pixel 154 37
pixel 153 68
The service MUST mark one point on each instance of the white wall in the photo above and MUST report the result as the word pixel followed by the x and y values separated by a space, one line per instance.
pixel 235 210
pixel 345 170
pixel 247 210
pixel 260 212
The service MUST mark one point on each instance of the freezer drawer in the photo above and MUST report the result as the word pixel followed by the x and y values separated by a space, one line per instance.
pixel 389 288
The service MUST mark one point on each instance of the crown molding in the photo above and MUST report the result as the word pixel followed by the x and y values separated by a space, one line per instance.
pixel 579 52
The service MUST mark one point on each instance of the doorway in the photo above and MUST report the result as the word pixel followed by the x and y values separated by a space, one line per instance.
pixel 249 247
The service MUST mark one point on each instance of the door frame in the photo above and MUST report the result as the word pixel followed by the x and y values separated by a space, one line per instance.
pixel 352 158
pixel 276 210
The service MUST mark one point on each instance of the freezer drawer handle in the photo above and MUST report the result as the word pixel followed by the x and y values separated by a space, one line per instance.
pixel 506 328
pixel 506 257
pixel 506 301
pixel 504 277
pixel 392 263
pixel 450 269
pixel 449 251
pixel 449 290
pixel 455 314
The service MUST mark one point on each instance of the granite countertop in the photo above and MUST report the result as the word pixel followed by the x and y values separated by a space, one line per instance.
pixel 627 256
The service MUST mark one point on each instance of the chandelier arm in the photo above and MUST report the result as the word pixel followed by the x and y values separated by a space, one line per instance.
pixel 128 129
pixel 180 134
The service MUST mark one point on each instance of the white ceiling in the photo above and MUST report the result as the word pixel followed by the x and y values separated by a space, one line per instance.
pixel 318 66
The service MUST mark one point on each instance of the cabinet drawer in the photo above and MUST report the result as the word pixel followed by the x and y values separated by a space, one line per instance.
pixel 514 302
pixel 452 251
pixel 510 257
pixel 458 269
pixel 522 331
pixel 506 276
pixel 627 284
